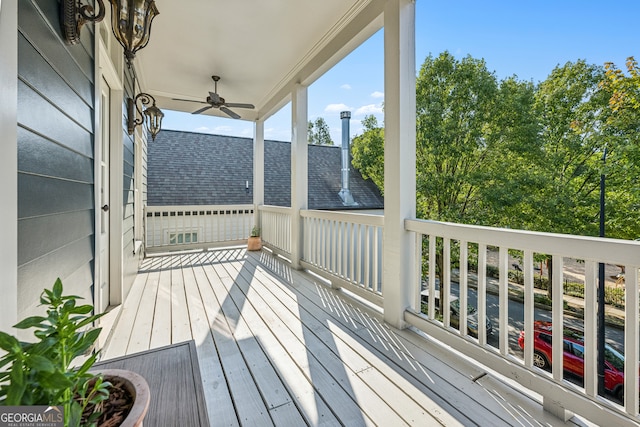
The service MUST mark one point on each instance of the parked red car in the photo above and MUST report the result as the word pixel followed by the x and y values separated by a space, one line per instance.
pixel 573 356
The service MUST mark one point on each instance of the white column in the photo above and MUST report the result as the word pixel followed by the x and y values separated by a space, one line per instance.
pixel 399 158
pixel 258 169
pixel 9 164
pixel 299 167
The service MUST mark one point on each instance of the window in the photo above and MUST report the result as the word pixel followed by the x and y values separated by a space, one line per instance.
pixel 578 350
pixel 183 238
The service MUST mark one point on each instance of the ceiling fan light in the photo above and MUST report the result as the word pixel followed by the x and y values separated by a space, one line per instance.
pixel 131 23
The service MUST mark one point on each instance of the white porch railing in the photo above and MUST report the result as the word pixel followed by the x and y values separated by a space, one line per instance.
pixel 275 224
pixel 347 249
pixel 186 227
pixel 557 393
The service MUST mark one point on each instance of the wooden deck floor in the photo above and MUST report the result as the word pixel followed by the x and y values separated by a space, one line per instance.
pixel 278 347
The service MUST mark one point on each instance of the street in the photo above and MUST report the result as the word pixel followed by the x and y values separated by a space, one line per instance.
pixel 613 336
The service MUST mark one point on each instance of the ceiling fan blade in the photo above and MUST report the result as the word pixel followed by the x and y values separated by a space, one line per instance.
pixel 236 105
pixel 215 98
pixel 189 100
pixel 202 109
pixel 229 112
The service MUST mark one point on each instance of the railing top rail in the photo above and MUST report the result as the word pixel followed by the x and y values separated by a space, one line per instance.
pixel 614 251
pixel 356 218
pixel 196 207
pixel 274 209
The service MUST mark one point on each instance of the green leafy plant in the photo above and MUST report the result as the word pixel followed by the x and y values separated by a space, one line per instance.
pixel 255 231
pixel 41 372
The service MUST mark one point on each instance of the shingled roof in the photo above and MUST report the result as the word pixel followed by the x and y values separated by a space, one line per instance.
pixel 188 168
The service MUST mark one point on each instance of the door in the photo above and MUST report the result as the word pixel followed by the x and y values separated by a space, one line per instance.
pixel 103 269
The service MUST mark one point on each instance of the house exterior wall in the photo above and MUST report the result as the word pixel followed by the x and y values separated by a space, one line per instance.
pixel 55 157
pixel 130 260
pixel 57 130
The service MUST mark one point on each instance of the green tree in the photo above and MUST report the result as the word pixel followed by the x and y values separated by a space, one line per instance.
pixel 474 138
pixel 573 112
pixel 367 152
pixel 623 165
pixel 455 100
pixel 319 133
pixel 507 177
pixel 625 90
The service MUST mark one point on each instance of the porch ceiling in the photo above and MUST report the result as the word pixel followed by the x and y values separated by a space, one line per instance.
pixel 259 49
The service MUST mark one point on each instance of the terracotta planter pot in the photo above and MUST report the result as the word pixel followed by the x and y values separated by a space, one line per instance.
pixel 139 389
pixel 254 243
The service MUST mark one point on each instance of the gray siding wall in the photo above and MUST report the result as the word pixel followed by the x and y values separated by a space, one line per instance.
pixel 55 156
pixel 131 260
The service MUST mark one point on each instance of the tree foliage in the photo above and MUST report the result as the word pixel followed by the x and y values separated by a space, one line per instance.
pixel 513 154
pixel 623 193
pixel 572 111
pixel 367 152
pixel 473 135
pixel 319 133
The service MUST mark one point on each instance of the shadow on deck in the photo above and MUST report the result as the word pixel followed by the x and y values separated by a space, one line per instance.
pixel 278 347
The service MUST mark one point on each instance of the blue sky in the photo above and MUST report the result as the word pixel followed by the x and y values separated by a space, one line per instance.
pixel 523 38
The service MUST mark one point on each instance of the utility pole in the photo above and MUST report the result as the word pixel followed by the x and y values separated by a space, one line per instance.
pixel 601 285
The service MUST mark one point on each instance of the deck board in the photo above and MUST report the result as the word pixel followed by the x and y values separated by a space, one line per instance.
pixel 162 313
pixel 118 341
pixel 278 347
pixel 315 341
pixel 246 397
pixel 218 398
pixel 300 390
pixel 378 343
pixel 273 329
pixel 180 323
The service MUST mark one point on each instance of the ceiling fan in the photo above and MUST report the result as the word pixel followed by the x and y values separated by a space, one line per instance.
pixel 216 101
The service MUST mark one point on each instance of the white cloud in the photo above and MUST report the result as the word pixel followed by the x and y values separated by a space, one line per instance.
pixel 336 108
pixel 223 128
pixel 345 86
pixel 278 134
pixel 377 94
pixel 369 109
pixel 202 129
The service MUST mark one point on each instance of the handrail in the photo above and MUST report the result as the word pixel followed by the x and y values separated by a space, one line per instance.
pixel 437 240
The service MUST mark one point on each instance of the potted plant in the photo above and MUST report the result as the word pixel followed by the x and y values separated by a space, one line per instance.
pixel 42 372
pixel 254 242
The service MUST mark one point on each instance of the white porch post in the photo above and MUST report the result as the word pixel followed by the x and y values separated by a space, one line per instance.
pixel 258 169
pixel 9 163
pixel 399 158
pixel 299 166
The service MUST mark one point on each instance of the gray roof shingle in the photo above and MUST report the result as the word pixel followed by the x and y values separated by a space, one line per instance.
pixel 188 168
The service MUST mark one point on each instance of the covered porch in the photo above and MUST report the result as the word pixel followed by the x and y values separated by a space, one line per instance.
pixel 277 346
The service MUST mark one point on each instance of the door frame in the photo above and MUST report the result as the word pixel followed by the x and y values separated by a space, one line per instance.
pixel 105 69
pixel 9 164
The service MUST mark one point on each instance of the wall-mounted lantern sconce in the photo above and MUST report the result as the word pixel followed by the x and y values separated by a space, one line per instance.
pixel 130 21
pixel 131 24
pixel 73 15
pixel 151 116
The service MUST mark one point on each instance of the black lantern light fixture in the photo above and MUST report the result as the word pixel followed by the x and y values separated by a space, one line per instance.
pixel 130 21
pixel 151 116
pixel 73 15
pixel 131 24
